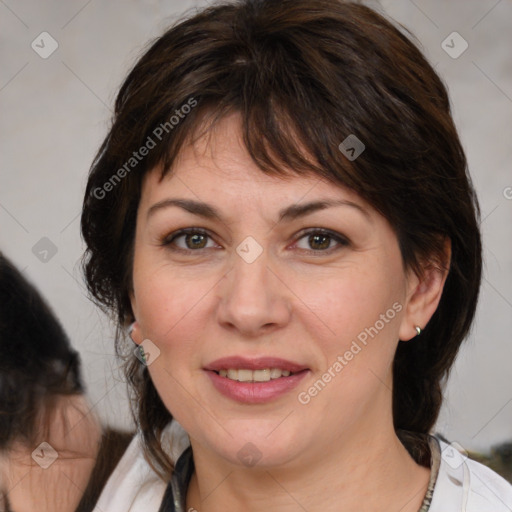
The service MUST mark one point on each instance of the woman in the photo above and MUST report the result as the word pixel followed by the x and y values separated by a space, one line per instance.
pixel 48 436
pixel 282 217
pixel 53 453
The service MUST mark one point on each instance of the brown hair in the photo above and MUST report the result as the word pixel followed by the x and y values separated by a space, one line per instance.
pixel 304 75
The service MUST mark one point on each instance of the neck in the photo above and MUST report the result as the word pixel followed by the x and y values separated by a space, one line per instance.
pixel 370 468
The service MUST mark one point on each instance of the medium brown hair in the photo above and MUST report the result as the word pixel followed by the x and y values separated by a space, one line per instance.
pixel 303 75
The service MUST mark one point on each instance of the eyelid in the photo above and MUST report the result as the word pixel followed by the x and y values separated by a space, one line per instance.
pixel 169 239
pixel 341 240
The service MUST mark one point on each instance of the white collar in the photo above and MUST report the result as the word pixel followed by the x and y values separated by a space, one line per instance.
pixel 462 485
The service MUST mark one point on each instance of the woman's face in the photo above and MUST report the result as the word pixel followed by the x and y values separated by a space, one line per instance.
pixel 298 275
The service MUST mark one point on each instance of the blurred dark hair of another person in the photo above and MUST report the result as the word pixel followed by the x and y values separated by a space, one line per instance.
pixel 52 448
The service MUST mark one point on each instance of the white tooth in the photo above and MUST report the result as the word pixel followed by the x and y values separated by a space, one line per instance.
pixel 275 373
pixel 262 375
pixel 245 375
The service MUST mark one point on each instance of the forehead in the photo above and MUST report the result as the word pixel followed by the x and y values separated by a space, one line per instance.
pixel 216 165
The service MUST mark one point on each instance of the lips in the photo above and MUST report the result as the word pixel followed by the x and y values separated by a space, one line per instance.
pixel 251 390
pixel 260 363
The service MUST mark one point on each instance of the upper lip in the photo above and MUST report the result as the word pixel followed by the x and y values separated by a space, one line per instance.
pixel 259 363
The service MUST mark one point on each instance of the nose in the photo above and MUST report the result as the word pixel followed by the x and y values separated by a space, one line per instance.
pixel 253 298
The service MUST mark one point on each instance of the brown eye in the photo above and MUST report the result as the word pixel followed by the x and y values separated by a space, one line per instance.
pixel 188 240
pixel 321 241
pixel 196 241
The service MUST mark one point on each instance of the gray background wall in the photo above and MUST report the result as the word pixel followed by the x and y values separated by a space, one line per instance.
pixel 55 112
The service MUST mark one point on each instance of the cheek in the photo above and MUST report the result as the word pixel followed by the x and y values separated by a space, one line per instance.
pixel 359 314
pixel 352 301
pixel 165 299
pixel 356 315
pixel 168 304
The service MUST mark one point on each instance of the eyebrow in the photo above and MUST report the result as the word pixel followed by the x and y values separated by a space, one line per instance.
pixel 291 212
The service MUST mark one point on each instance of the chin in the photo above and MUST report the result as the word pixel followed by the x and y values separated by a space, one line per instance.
pixel 256 448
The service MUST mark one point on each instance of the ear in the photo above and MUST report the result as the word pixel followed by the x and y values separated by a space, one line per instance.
pixel 424 293
pixel 134 330
pixel 134 333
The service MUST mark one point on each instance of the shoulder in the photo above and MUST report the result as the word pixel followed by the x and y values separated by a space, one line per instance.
pixel 466 485
pixel 488 490
pixel 134 486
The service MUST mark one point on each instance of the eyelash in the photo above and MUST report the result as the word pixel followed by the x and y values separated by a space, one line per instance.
pixel 341 240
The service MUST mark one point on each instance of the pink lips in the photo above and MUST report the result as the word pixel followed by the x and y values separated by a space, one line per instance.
pixel 259 363
pixel 255 392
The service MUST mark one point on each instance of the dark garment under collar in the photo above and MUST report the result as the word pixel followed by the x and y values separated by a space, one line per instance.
pixel 176 493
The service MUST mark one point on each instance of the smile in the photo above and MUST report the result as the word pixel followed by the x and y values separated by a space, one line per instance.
pixel 246 375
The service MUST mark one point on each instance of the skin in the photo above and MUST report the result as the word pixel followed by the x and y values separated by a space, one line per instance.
pixel 74 434
pixel 297 301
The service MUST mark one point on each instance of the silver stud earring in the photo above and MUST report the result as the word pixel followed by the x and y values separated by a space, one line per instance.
pixel 418 330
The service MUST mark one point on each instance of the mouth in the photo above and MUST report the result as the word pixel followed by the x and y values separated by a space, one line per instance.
pixel 260 369
pixel 255 380
pixel 247 375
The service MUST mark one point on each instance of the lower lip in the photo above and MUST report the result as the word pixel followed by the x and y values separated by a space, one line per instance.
pixel 255 392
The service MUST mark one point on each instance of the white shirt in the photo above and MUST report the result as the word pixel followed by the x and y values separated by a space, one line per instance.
pixel 462 484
